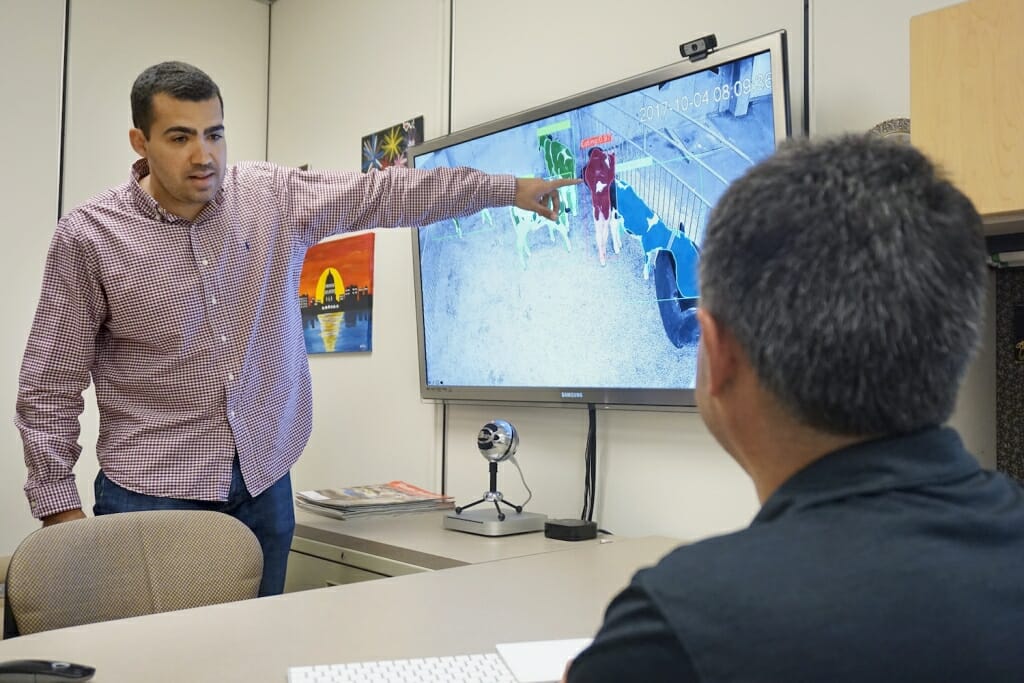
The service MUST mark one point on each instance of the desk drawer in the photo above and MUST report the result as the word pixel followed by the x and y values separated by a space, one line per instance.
pixel 306 572
pixel 312 564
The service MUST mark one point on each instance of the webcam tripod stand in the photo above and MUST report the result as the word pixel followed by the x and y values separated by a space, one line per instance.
pixel 492 496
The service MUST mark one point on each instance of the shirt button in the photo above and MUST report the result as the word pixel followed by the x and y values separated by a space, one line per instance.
pixel 231 414
pixel 223 338
pixel 206 262
pixel 231 376
pixel 213 300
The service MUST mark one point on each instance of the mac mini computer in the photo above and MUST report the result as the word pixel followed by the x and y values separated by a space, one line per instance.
pixel 487 523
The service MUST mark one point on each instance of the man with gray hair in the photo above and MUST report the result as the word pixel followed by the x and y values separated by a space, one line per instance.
pixel 842 284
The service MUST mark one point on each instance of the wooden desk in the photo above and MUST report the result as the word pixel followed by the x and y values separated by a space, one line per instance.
pixel 327 551
pixel 462 610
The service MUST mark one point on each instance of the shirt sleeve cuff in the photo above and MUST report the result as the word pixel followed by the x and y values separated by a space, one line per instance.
pixel 503 190
pixel 51 498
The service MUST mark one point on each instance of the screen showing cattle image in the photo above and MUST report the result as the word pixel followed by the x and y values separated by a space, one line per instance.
pixel 598 306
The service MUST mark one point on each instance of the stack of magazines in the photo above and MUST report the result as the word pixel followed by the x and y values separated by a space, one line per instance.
pixel 375 499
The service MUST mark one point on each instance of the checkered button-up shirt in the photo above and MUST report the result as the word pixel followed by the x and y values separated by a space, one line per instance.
pixel 191 330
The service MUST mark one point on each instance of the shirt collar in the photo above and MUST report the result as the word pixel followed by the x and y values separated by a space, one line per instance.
pixel 146 204
pixel 932 455
pixel 139 197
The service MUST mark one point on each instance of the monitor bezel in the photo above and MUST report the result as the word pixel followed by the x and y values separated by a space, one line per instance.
pixel 775 44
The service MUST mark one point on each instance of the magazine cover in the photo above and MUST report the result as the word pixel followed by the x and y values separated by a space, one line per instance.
pixel 394 496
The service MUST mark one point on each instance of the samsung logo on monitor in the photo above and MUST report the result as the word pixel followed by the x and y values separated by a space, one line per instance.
pixel 572 394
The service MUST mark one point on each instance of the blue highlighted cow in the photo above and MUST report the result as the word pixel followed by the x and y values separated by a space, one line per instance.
pixel 672 255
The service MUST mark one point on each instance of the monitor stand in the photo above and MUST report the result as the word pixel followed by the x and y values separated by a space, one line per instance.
pixel 485 522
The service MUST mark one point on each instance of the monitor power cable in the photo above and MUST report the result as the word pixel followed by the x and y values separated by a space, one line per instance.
pixel 590 466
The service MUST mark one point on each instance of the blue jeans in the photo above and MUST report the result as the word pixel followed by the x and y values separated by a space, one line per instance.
pixel 270 515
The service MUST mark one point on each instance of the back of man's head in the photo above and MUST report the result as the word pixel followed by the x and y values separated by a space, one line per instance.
pixel 179 80
pixel 853 277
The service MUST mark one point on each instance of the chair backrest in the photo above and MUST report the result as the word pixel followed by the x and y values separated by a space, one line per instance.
pixel 129 564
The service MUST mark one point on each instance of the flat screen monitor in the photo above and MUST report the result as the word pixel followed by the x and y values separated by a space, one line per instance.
pixel 597 307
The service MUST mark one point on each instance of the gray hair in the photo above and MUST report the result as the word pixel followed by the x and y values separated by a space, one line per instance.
pixel 852 275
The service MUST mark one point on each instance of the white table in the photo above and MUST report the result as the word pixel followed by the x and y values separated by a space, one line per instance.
pixel 328 551
pixel 460 610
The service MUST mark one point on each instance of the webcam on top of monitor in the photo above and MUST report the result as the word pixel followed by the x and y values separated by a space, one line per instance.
pixel 698 49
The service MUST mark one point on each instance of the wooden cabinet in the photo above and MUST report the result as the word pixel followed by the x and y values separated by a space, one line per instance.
pixel 967 102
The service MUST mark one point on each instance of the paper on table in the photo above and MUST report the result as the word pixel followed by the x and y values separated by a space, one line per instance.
pixel 540 661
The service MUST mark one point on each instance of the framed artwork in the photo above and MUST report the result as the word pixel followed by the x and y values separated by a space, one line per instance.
pixel 388 147
pixel 336 295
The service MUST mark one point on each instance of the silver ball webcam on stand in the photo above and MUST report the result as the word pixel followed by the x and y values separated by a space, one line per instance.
pixel 497 441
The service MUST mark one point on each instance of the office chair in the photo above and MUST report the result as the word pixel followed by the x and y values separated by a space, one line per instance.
pixel 126 565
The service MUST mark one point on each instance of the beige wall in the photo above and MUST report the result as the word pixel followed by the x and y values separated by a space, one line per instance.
pixel 339 70
pixel 659 472
pixel 110 42
pixel 31 51
pixel 370 424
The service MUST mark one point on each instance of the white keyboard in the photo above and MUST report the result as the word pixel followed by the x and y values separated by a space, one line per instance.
pixel 488 668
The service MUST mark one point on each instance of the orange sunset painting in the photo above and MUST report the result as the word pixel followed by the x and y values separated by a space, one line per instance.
pixel 336 295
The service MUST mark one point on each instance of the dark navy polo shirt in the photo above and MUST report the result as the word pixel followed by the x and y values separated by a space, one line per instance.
pixel 891 560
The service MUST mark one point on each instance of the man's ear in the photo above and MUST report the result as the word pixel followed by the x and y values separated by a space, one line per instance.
pixel 138 141
pixel 720 352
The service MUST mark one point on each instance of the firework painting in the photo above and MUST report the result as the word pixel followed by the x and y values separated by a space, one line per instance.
pixel 388 147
